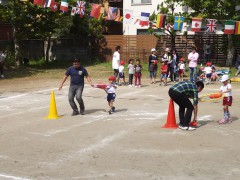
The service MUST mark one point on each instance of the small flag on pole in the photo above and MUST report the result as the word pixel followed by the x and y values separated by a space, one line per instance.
pixel 160 21
pixel 144 19
pixel 64 5
pixel 237 28
pixel 178 23
pixel 196 24
pixel 229 27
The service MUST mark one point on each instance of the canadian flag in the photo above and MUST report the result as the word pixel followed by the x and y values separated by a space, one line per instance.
pixel 128 16
pixel 196 24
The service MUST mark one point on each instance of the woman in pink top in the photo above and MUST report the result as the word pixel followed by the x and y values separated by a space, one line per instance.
pixel 193 58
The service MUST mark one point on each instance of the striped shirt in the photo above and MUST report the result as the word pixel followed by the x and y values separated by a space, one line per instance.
pixel 187 88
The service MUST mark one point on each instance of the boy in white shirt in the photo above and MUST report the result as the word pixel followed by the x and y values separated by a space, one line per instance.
pixel 226 90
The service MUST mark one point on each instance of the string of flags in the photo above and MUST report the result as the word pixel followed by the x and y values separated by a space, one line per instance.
pixel 113 13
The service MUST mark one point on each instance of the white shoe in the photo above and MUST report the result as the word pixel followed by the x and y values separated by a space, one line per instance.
pixel 2 76
pixel 139 86
pixel 186 128
pixel 129 85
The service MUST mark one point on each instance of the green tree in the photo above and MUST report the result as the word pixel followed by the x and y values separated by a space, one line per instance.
pixel 167 7
pixel 32 21
pixel 223 10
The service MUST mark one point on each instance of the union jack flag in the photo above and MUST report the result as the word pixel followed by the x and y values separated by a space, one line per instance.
pixel 211 25
pixel 81 8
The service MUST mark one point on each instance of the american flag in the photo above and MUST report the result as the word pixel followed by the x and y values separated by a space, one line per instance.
pixel 81 8
pixel 211 25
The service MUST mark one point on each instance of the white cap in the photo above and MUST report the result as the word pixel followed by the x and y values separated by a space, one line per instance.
pixel 153 49
pixel 167 49
pixel 225 77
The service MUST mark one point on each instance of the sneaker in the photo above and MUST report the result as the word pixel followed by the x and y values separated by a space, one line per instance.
pixel 82 111
pixel 2 76
pixel 75 113
pixel 186 128
pixel 113 109
pixel 223 121
pixel 139 86
pixel 129 85
pixel 110 112
pixel 135 86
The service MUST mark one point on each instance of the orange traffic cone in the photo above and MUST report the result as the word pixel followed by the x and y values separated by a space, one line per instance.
pixel 171 119
pixel 52 109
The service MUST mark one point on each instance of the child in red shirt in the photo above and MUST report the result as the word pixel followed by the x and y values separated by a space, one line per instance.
pixel 164 69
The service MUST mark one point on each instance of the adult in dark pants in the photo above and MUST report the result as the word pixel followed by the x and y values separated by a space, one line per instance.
pixel 77 74
pixel 173 65
pixel 180 94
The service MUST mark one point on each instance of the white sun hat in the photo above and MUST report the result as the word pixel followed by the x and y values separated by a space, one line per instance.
pixel 224 78
pixel 153 49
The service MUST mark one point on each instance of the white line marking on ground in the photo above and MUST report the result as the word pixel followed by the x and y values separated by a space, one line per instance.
pixel 206 117
pixel 12 177
pixel 12 97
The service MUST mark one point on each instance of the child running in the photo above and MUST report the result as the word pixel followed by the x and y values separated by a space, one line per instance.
pixel 121 73
pixel 130 72
pixel 164 73
pixel 226 89
pixel 111 91
pixel 181 69
pixel 138 74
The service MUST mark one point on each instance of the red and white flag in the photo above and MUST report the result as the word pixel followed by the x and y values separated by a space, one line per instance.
pixel 81 8
pixel 54 6
pixel 73 11
pixel 128 16
pixel 196 24
pixel 64 5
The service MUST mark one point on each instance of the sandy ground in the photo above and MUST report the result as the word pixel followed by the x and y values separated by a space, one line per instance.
pixel 129 144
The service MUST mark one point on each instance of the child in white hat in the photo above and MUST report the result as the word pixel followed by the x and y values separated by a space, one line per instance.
pixel 226 90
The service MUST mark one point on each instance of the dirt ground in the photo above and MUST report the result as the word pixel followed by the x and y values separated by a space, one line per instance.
pixel 129 144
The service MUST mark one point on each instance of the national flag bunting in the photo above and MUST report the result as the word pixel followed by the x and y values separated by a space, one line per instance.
pixel 211 25
pixel 64 5
pixel 237 27
pixel 81 8
pixel 96 8
pixel 54 6
pixel 229 27
pixel 47 3
pixel 144 19
pixel 38 2
pixel 119 19
pixel 112 13
pixel 178 23
pixel 196 24
pixel 128 16
pixel 160 21
pixel 73 11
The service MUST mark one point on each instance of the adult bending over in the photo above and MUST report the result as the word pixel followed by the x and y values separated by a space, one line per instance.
pixel 180 94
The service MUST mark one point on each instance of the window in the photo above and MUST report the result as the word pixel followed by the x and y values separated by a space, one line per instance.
pixel 139 2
